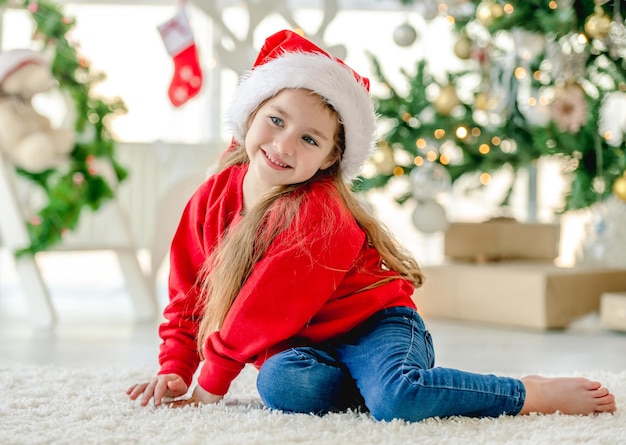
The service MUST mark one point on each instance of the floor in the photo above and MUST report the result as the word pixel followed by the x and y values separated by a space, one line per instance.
pixel 95 327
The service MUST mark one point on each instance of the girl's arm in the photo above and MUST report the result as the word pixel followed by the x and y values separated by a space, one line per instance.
pixel 178 350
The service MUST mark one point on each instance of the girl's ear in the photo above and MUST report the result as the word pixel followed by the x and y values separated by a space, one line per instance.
pixel 330 160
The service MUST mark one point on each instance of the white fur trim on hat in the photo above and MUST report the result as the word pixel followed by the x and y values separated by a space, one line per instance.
pixel 330 79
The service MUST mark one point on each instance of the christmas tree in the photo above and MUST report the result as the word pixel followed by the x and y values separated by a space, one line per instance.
pixel 552 82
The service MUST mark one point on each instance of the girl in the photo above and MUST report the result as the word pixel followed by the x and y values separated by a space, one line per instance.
pixel 276 263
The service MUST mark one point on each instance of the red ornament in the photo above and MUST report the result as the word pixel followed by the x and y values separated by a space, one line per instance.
pixel 480 55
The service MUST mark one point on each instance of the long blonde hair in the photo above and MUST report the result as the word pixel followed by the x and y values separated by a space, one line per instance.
pixel 226 270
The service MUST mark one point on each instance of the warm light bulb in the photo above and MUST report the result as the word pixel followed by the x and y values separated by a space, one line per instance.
pixel 520 72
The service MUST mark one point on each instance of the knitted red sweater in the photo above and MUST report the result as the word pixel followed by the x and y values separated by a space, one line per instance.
pixel 298 293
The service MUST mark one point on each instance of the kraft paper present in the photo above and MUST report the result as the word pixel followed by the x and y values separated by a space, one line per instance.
pixel 526 294
pixel 502 239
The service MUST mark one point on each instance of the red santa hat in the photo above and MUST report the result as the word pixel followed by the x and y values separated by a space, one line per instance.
pixel 14 59
pixel 288 60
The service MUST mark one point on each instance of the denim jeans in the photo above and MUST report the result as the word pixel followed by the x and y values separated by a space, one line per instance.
pixel 384 366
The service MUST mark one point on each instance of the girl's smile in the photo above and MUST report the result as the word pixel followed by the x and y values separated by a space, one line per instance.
pixel 274 161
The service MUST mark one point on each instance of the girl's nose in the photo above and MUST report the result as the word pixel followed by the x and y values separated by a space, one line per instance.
pixel 285 143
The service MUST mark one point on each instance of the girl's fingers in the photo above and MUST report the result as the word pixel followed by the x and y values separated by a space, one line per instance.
pixel 159 391
pixel 148 392
pixel 134 391
pixel 157 388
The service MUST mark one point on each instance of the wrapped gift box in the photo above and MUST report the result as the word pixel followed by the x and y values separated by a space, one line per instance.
pixel 613 310
pixel 525 294
pixel 502 239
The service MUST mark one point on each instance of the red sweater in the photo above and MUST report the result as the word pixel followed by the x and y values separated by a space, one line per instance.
pixel 299 293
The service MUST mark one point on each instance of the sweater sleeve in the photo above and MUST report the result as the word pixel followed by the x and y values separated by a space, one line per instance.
pixel 178 350
pixel 298 274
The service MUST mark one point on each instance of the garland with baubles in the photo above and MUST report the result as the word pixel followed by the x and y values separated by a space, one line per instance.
pixel 552 76
pixel 89 177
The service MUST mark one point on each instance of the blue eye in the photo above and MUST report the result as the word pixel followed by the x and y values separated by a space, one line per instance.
pixel 277 121
pixel 309 140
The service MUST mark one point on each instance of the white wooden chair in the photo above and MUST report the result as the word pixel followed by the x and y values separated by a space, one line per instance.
pixel 118 238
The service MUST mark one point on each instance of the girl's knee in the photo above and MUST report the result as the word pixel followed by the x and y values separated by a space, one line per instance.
pixel 399 401
pixel 388 408
pixel 299 380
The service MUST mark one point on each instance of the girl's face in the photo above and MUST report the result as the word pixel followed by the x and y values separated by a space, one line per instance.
pixel 290 138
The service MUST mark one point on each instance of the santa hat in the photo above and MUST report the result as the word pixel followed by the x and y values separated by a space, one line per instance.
pixel 14 59
pixel 288 60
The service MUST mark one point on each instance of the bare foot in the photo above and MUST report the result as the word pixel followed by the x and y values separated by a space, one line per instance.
pixel 568 395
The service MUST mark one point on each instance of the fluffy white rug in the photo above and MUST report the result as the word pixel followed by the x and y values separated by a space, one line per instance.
pixel 54 405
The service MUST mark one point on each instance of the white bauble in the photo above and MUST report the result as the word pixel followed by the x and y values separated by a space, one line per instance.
pixel 429 9
pixel 404 35
pixel 429 216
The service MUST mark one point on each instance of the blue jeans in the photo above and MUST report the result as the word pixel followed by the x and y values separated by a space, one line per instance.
pixel 384 366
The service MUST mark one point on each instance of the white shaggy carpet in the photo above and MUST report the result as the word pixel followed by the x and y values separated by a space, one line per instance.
pixel 54 405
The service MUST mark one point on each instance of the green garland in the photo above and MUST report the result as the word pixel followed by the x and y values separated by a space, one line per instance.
pixel 405 113
pixel 80 185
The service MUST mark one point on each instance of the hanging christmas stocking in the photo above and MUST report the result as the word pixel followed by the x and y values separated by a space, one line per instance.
pixel 179 43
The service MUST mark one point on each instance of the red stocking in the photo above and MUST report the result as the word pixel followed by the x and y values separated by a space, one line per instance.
pixel 178 39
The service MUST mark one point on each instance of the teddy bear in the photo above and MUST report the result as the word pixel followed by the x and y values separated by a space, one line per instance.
pixel 27 138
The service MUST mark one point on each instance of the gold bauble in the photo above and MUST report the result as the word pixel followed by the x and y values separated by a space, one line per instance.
pixel 598 24
pixel 383 160
pixel 488 11
pixel 463 48
pixel 619 187
pixel 447 100
pixel 497 10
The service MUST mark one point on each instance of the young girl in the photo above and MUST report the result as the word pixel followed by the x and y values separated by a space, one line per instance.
pixel 276 263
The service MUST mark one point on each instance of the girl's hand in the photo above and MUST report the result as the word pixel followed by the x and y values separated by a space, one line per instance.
pixel 199 397
pixel 165 385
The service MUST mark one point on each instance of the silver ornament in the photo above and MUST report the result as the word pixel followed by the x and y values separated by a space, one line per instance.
pixel 404 35
pixel 429 9
pixel 429 216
